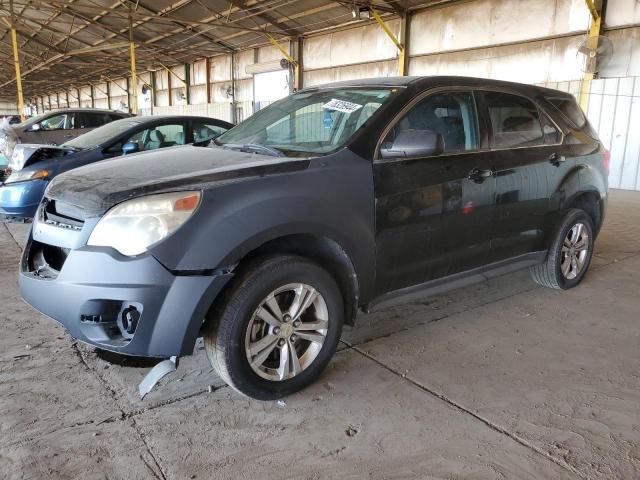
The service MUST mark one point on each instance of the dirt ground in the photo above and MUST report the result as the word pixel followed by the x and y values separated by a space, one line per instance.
pixel 500 380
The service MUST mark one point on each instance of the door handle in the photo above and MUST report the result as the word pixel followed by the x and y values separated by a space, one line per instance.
pixel 478 175
pixel 556 159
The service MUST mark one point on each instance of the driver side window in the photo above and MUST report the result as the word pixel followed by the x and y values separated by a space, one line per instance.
pixel 160 136
pixel 63 121
pixel 450 114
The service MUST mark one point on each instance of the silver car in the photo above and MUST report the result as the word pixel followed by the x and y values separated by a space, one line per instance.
pixel 54 127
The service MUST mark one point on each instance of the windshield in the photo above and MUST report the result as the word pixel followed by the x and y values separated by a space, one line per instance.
pixel 308 123
pixel 35 119
pixel 101 134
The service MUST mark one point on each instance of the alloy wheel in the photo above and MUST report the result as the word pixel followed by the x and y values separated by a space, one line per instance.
pixel 574 251
pixel 286 332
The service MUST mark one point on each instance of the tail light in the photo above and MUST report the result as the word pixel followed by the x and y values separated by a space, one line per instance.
pixel 606 157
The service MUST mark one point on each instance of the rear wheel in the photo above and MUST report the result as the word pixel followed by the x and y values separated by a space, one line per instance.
pixel 277 328
pixel 570 253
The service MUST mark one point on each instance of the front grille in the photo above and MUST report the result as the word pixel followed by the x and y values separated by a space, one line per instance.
pixel 62 214
pixel 4 174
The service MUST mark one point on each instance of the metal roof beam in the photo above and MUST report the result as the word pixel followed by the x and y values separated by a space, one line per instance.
pixel 267 18
pixel 182 24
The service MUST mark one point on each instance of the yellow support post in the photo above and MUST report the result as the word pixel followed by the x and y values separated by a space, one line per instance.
pixel 134 73
pixel 16 61
pixel 397 43
pixel 594 32
pixel 292 61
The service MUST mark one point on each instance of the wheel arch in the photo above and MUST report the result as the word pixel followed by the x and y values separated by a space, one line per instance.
pixel 591 202
pixel 327 252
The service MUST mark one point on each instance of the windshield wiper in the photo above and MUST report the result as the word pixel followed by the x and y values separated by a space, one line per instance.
pixel 254 148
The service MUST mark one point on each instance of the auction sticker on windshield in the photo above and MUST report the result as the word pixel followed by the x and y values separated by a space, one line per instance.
pixel 342 106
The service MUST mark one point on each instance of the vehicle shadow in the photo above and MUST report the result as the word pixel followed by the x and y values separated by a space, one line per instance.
pixel 391 320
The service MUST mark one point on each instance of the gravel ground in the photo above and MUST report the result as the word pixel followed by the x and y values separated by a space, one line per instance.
pixel 500 380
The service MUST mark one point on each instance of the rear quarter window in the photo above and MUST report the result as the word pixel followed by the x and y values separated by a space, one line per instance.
pixel 572 112
pixel 570 109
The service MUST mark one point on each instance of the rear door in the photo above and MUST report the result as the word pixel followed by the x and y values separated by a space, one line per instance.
pixel 431 218
pixel 86 121
pixel 527 154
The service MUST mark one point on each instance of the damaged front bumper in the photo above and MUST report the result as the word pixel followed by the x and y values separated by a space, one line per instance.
pixel 133 306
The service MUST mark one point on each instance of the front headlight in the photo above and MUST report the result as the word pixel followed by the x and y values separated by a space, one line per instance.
pixel 133 226
pixel 23 176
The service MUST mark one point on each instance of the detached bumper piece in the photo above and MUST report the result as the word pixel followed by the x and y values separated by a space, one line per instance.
pixel 133 306
pixel 156 374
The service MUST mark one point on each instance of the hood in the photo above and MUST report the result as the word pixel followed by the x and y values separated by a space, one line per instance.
pixel 25 154
pixel 97 187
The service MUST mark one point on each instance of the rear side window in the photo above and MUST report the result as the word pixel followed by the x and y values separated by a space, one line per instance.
pixel 206 131
pixel 160 136
pixel 570 109
pixel 514 121
pixel 90 120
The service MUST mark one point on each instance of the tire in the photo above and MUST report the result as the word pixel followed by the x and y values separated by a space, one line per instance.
pixel 238 324
pixel 550 274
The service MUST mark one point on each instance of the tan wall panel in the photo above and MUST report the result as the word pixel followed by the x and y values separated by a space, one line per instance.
pixel 350 72
pixel 356 45
pixel 491 22
pixel 221 68
pixel 535 62
pixel 622 12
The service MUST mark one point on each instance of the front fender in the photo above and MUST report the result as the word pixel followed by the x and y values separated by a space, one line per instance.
pixel 332 198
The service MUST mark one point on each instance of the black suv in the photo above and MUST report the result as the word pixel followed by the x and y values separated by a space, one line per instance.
pixel 334 199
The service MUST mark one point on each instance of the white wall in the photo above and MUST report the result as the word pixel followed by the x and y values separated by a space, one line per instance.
pixel 8 108
pixel 530 62
pixel 531 41
pixel 622 12
pixel 354 53
pixel 626 53
pixel 485 23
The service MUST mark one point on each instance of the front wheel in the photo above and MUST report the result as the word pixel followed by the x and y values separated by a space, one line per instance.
pixel 277 327
pixel 570 254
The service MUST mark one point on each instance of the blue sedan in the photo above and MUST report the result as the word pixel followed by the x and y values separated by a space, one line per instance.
pixel 32 167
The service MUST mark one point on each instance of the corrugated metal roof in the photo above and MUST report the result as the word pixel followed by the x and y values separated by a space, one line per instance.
pixel 60 40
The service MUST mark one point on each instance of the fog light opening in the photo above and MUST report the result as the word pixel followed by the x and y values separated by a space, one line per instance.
pixel 129 321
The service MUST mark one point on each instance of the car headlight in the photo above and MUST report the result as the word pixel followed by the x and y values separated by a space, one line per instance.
pixel 133 226
pixel 24 176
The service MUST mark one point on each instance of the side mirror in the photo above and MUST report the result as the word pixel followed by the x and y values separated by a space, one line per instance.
pixel 35 127
pixel 415 143
pixel 130 147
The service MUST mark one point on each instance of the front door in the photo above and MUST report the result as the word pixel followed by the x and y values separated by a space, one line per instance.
pixel 53 130
pixel 433 213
